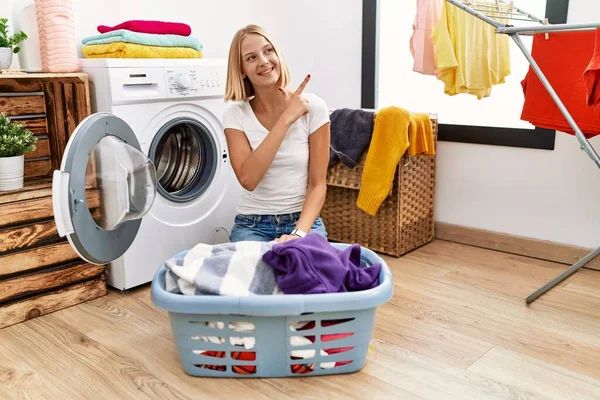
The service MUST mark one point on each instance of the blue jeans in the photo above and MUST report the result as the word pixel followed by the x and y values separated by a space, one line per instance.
pixel 264 228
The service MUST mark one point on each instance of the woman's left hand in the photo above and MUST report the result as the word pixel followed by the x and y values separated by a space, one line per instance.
pixel 285 238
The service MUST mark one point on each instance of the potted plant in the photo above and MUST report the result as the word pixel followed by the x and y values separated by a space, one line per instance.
pixel 15 142
pixel 8 45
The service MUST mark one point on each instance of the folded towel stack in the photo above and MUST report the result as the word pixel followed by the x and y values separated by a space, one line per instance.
pixel 142 39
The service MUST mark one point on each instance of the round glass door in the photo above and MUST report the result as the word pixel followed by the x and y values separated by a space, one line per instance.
pixel 103 189
pixel 185 155
pixel 120 181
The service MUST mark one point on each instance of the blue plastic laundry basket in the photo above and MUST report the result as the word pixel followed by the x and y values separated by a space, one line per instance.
pixel 273 320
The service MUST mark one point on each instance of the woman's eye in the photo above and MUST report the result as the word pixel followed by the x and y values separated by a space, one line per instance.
pixel 268 51
pixel 250 58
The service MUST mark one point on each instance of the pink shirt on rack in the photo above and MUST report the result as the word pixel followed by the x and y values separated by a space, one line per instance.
pixel 421 44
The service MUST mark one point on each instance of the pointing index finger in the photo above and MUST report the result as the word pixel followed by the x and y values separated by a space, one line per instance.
pixel 303 84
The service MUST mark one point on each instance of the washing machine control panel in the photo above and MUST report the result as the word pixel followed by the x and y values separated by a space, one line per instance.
pixel 182 82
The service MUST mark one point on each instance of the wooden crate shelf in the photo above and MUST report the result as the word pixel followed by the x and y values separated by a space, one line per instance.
pixel 39 271
pixel 35 306
pixel 51 106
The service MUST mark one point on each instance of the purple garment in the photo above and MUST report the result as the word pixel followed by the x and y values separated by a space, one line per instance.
pixel 311 265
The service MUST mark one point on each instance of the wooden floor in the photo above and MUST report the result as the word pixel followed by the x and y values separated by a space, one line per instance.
pixel 457 327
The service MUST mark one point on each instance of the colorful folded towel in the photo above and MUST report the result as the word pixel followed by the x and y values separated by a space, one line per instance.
pixel 148 39
pixel 133 50
pixel 157 27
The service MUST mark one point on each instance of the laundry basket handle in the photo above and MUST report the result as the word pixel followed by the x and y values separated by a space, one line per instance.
pixel 272 305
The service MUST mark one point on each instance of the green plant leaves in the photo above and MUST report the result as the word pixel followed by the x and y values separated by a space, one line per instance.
pixel 15 139
pixel 11 42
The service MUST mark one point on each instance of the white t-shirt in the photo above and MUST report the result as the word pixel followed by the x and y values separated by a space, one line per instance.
pixel 283 188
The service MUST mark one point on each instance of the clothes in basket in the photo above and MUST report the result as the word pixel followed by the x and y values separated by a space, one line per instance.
pixel 277 335
pixel 311 265
pixel 227 269
pixel 303 266
pixel 249 342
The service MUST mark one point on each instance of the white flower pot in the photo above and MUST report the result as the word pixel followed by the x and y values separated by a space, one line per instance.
pixel 11 172
pixel 6 56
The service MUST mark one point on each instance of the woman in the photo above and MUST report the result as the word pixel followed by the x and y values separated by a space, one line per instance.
pixel 278 142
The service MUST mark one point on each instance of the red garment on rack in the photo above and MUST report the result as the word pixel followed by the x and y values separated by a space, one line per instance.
pixel 591 76
pixel 563 58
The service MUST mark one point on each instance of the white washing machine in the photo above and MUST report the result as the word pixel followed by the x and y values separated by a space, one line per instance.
pixel 151 163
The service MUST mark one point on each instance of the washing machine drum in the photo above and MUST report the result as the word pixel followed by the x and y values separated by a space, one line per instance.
pixel 106 184
pixel 185 155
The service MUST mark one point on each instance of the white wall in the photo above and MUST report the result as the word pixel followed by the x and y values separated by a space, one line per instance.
pixel 314 35
pixel 548 195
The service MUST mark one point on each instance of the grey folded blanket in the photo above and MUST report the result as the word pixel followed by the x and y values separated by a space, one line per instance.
pixel 351 132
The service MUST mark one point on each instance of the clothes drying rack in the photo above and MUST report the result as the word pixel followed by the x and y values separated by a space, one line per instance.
pixel 496 9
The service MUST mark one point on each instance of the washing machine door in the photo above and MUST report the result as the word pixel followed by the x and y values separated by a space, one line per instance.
pixel 104 188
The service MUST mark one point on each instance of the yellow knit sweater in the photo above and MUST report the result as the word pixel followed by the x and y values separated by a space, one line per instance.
pixel 388 144
pixel 420 136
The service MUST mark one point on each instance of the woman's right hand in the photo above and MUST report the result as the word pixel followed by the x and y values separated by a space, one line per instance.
pixel 295 105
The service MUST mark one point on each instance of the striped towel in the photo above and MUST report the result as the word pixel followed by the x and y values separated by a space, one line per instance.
pixel 227 269
pixel 148 39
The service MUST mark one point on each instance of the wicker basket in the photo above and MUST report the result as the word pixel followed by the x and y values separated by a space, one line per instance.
pixel 404 220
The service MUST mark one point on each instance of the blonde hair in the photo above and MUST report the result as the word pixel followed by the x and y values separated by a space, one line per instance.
pixel 237 87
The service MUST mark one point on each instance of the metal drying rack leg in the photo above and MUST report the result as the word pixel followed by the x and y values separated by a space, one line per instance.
pixel 585 145
pixel 564 275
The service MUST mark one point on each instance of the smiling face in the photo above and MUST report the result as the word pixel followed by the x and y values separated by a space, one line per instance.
pixel 260 62
pixel 254 61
